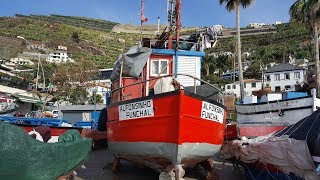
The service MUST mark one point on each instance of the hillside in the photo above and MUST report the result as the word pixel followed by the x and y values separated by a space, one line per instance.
pixel 290 38
pixel 99 43
pixel 74 21
pixel 102 47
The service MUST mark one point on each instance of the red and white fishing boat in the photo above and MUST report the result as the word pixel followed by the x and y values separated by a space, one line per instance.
pixel 162 115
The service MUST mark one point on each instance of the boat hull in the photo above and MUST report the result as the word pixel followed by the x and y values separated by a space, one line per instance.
pixel 54 131
pixel 176 133
pixel 264 118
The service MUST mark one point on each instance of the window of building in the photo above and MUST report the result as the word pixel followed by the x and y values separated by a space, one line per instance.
pixel 268 77
pixel 287 87
pixel 234 86
pixel 253 85
pixel 287 76
pixel 277 89
pixel 228 87
pixel 277 77
pixel 297 75
pixel 158 66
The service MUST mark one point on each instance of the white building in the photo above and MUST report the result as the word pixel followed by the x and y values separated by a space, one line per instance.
pixel 102 84
pixel 256 25
pixel 38 46
pixel 284 77
pixel 249 86
pixel 62 48
pixel 304 63
pixel 59 57
pixel 278 22
pixel 20 61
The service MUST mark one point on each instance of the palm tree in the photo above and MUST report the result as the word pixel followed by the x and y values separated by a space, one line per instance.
pixel 308 11
pixel 233 5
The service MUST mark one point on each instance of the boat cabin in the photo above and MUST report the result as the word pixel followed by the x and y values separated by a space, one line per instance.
pixel 165 63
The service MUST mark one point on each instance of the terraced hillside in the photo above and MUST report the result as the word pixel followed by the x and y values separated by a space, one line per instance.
pixel 102 47
pixel 84 22
pixel 97 42
pixel 290 38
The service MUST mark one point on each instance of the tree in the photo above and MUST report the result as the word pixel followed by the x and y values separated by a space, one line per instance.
pixel 254 71
pixel 75 37
pixel 72 80
pixel 308 11
pixel 98 99
pixel 233 5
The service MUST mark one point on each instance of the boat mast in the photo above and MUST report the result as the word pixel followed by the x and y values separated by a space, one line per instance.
pixel 178 22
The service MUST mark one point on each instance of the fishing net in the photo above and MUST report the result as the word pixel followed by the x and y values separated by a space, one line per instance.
pixel 23 157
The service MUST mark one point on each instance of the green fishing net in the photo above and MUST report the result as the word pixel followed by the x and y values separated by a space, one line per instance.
pixel 22 157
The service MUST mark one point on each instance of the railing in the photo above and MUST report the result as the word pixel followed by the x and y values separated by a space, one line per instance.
pixel 181 86
pixel 153 42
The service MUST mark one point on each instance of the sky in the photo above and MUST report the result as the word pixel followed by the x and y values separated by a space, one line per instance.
pixel 194 12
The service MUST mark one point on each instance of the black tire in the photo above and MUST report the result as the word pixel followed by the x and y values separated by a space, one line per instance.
pixel 102 123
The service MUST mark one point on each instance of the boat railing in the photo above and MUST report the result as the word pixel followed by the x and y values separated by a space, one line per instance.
pixel 195 86
pixel 190 45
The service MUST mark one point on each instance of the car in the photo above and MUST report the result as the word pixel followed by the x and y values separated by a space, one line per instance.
pixel 55 113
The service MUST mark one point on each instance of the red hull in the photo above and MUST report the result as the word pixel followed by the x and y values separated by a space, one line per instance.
pixel 176 120
pixel 55 131
pixel 254 131
pixel 231 132
pixel 175 133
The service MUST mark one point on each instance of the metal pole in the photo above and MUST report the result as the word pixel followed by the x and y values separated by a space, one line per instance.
pixel 20 37
pixel 37 70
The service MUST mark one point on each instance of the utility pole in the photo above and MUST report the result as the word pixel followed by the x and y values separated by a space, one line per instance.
pixel 39 63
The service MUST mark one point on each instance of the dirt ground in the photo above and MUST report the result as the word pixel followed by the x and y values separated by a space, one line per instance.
pixel 96 167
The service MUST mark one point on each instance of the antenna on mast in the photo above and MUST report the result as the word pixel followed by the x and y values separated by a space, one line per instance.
pixel 158 29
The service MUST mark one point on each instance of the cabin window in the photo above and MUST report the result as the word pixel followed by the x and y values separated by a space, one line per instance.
pixel 268 77
pixel 287 76
pixel 245 85
pixel 277 77
pixel 287 87
pixel 158 66
pixel 297 75
pixel 228 87
pixel 277 89
pixel 253 85
pixel 234 86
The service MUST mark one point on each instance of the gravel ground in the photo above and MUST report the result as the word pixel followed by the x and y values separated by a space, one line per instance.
pixel 97 168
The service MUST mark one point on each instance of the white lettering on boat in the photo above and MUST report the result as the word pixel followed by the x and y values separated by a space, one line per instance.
pixel 136 110
pixel 212 112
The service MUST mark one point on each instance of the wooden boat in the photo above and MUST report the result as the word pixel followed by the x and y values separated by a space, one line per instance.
pixel 167 120
pixel 57 126
pixel 277 111
pixel 162 115
pixel 292 153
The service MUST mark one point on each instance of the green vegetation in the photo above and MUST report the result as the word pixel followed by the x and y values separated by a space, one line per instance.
pixel 291 38
pixel 75 21
pixel 101 47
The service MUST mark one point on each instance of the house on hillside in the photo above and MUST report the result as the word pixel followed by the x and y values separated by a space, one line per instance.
pixel 59 57
pixel 20 61
pixel 37 46
pixel 284 77
pixel 249 86
pixel 256 25
pixel 62 48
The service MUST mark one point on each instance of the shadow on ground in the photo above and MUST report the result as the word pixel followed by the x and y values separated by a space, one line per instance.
pixel 97 168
